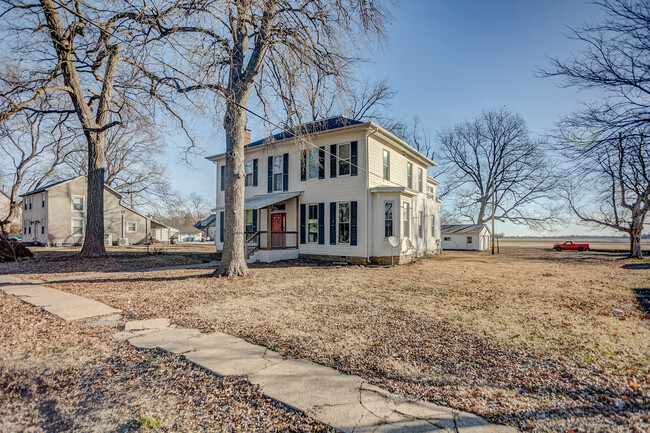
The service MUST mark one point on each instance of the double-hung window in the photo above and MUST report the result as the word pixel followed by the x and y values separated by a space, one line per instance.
pixel 131 226
pixel 249 223
pixel 386 165
pixel 313 163
pixel 312 223
pixel 77 228
pixel 344 159
pixel 433 225
pixel 248 168
pixel 43 226
pixel 30 202
pixel 421 226
pixel 429 192
pixel 278 170
pixel 420 180
pixel 344 223
pixel 43 200
pixel 406 216
pixel 388 219
pixel 409 175
pixel 78 203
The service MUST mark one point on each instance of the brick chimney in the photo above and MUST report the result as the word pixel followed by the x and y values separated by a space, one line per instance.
pixel 247 137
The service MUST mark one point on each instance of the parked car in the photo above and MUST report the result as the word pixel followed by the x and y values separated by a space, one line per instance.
pixel 570 245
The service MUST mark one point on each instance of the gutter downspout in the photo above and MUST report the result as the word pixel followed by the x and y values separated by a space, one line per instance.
pixel 369 207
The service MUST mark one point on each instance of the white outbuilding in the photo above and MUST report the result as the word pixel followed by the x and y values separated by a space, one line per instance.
pixel 465 237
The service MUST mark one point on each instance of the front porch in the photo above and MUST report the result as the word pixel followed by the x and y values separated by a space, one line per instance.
pixel 271 231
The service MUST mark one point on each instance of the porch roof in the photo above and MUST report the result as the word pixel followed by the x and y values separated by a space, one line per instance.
pixel 264 200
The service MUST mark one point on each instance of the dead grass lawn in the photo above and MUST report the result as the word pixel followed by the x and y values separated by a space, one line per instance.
pixel 529 337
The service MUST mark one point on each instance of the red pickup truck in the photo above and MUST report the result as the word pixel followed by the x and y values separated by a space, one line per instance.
pixel 569 245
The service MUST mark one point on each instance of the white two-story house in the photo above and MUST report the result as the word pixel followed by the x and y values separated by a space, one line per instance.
pixel 337 190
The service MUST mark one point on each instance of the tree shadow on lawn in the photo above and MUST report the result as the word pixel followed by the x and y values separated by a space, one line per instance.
pixel 643 298
pixel 636 266
pixel 131 280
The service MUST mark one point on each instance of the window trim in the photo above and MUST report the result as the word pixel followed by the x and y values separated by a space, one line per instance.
pixel 83 203
pixel 470 239
pixel 409 175
pixel 421 225
pixel 280 173
pixel 131 231
pixel 446 238
pixel 406 219
pixel 339 223
pixel 343 161
pixel 43 225
pixel 247 174
pixel 392 219
pixel 316 163
pixel 386 164
pixel 30 202
pixel 246 225
pixel 308 209
pixel 430 194
pixel 42 200
pixel 420 180
pixel 83 226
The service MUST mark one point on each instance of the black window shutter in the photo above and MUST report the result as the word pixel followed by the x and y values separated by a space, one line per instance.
pixel 221 226
pixel 303 223
pixel 353 223
pixel 321 162
pixel 285 172
pixel 332 223
pixel 255 172
pixel 270 185
pixel 354 159
pixel 222 179
pixel 333 160
pixel 321 223
pixel 254 220
pixel 303 165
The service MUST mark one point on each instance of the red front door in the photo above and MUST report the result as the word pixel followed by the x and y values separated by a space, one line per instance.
pixel 278 228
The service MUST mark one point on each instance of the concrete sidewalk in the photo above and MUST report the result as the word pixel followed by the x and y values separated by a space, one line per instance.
pixel 63 304
pixel 346 402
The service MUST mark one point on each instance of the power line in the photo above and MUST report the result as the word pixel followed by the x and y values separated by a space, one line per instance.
pixel 222 95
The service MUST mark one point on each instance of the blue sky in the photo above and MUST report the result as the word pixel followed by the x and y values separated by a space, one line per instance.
pixel 448 61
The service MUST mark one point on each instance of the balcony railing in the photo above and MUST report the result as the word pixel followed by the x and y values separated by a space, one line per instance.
pixel 259 240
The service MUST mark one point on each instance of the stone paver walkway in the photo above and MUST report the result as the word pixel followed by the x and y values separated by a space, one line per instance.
pixel 343 401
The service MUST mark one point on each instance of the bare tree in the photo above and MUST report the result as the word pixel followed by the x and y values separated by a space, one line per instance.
pixel 180 210
pixel 86 58
pixel 32 145
pixel 132 167
pixel 249 42
pixel 618 178
pixel 493 159
pixel 616 61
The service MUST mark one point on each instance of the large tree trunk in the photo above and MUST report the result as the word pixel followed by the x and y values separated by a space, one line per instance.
pixel 233 258
pixel 94 238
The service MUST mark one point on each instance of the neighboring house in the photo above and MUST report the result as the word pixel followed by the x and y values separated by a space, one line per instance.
pixel 55 215
pixel 208 226
pixel 160 232
pixel 188 234
pixel 5 202
pixel 465 237
pixel 338 193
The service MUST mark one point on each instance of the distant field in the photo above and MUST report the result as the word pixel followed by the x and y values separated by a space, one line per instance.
pixel 600 243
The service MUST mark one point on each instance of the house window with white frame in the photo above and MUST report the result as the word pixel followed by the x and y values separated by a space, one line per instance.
pixel 43 200
pixel 78 203
pixel 433 225
pixel 30 202
pixel 43 226
pixel 312 223
pixel 131 226
pixel 446 238
pixel 420 180
pixel 469 239
pixel 421 226
pixel 248 168
pixel 248 227
pixel 406 214
pixel 278 172
pixel 314 164
pixel 344 223
pixel 77 226
pixel 429 192
pixel 409 175
pixel 386 165
pixel 344 159
pixel 388 219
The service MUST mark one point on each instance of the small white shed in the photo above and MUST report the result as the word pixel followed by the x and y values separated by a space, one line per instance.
pixel 474 237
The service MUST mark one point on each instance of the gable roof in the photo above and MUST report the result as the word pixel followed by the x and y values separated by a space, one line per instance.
pixel 60 182
pixel 454 229
pixel 187 229
pixel 210 221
